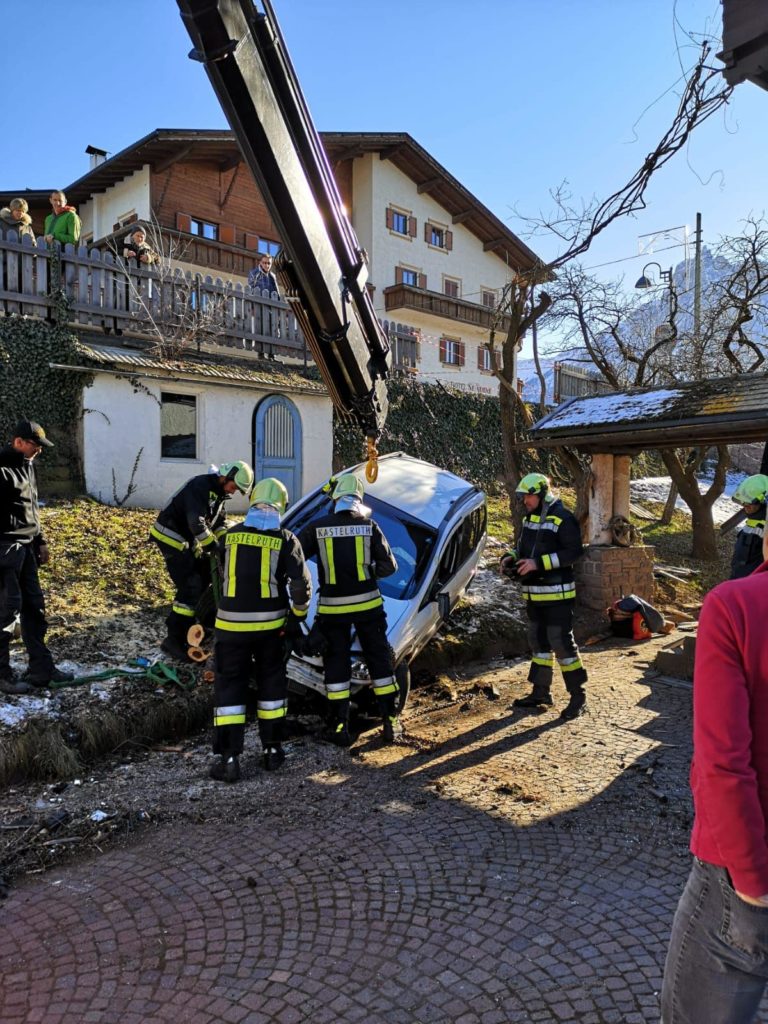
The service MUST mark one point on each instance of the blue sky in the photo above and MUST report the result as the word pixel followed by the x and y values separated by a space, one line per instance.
pixel 512 97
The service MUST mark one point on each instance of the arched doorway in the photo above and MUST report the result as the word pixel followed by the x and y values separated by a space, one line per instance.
pixel 277 442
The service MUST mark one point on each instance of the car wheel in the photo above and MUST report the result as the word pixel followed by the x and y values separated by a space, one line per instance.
pixel 403 679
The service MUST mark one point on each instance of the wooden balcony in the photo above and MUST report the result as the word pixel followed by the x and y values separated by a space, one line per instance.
pixel 404 296
pixel 107 295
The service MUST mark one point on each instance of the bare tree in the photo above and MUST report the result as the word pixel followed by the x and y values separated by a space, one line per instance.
pixel 704 93
pixel 174 307
pixel 621 337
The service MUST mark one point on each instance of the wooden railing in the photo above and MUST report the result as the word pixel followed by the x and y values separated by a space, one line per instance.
pixel 105 293
pixel 405 296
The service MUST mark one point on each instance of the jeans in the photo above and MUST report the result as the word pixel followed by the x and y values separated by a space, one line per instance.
pixel 717 962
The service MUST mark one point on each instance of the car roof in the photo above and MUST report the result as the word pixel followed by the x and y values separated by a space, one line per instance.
pixel 418 488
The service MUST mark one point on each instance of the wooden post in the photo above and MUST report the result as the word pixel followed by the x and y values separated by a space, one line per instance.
pixel 621 467
pixel 601 499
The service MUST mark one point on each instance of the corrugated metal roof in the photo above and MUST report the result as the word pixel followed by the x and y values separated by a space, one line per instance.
pixel 137 361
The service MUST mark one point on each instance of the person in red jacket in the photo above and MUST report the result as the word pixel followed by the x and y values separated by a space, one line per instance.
pixel 717 962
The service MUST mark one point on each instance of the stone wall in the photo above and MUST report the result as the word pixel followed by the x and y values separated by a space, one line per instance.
pixel 607 572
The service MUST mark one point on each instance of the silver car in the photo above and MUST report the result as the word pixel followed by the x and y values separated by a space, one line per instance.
pixel 435 523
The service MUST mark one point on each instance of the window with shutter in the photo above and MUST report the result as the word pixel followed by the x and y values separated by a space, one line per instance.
pixel 251 241
pixel 390 217
pixel 421 281
pixel 451 287
pixel 398 275
pixel 460 353
pixel 443 350
pixel 412 227
pixel 184 223
pixel 449 240
pixel 488 297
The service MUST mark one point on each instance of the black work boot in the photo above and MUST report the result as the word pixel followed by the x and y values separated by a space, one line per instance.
pixel 10 684
pixel 175 649
pixel 537 698
pixel 392 730
pixel 44 679
pixel 225 769
pixel 274 757
pixel 338 733
pixel 576 706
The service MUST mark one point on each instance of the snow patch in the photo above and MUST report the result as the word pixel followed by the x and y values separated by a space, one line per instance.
pixel 619 408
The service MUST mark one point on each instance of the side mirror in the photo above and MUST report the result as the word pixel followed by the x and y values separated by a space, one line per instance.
pixel 444 605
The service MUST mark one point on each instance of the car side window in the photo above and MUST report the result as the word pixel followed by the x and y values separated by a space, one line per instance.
pixel 462 544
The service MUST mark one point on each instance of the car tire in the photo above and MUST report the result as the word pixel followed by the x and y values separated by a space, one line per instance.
pixel 403 679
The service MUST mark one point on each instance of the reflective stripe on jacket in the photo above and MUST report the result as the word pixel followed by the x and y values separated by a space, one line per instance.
pixel 552 538
pixel 262 569
pixel 193 514
pixel 352 553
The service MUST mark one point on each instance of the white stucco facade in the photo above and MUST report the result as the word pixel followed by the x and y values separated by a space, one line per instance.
pixel 105 209
pixel 379 184
pixel 120 419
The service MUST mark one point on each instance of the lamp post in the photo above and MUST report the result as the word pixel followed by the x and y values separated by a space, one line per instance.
pixel 665 277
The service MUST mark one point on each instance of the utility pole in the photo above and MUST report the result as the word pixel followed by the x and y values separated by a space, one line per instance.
pixel 697 281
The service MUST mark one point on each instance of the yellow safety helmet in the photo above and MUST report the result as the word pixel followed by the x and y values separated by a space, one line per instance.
pixel 240 472
pixel 270 491
pixel 348 486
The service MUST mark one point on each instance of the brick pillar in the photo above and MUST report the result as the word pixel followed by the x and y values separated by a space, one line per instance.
pixel 607 572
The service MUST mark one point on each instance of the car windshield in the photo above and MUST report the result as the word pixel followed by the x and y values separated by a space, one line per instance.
pixel 411 541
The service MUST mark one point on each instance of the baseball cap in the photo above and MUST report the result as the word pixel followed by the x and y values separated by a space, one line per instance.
pixel 28 430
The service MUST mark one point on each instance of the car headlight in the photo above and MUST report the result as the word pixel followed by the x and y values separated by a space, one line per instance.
pixel 360 672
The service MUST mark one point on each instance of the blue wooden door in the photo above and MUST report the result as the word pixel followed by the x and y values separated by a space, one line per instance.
pixel 277 443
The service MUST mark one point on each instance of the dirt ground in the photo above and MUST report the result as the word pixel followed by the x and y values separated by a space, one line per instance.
pixel 462 737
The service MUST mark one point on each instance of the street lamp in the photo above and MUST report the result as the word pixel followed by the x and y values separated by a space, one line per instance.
pixel 665 277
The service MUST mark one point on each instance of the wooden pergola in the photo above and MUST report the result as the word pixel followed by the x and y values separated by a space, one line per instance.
pixel 612 428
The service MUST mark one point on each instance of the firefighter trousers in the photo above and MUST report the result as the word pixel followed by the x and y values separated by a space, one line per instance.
pixel 371 631
pixel 550 635
pixel 238 662
pixel 190 577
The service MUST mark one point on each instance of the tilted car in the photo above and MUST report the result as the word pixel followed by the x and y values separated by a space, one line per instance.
pixel 435 524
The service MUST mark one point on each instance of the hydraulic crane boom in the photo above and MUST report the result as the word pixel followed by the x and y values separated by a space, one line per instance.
pixel 322 268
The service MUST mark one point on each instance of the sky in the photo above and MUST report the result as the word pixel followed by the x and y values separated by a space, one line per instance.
pixel 512 97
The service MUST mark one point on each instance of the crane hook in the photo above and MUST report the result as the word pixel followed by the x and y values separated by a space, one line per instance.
pixel 372 465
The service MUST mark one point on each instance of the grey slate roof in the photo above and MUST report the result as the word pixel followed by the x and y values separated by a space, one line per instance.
pixel 720 410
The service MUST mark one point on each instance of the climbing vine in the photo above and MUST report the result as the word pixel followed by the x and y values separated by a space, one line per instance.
pixel 31 389
pixel 458 430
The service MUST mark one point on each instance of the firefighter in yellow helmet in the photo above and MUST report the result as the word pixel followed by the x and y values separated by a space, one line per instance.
pixel 185 529
pixel 352 553
pixel 751 494
pixel 549 544
pixel 264 598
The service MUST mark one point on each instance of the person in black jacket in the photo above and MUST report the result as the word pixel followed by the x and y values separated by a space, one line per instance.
pixel 184 531
pixel 263 567
pixel 549 544
pixel 22 549
pixel 751 494
pixel 352 553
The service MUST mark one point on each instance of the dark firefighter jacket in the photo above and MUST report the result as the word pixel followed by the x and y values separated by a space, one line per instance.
pixel 748 549
pixel 351 553
pixel 19 515
pixel 194 513
pixel 261 568
pixel 553 539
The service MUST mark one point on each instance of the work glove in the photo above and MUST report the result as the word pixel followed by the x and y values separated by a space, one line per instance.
pixel 507 565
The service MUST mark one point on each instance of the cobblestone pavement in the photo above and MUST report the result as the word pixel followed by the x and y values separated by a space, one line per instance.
pixel 520 870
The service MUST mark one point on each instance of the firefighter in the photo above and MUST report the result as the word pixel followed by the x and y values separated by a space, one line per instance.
pixel 263 567
pixel 549 544
pixel 352 553
pixel 185 530
pixel 748 550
